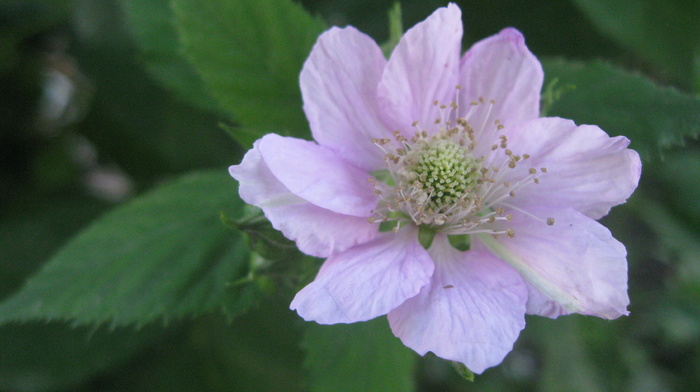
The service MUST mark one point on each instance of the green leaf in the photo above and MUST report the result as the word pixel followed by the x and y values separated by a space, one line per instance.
pixel 257 352
pixel 395 29
pixel 151 23
pixel 665 32
pixel 54 356
pixel 27 217
pixel 357 357
pixel 250 53
pixel 463 371
pixel 678 176
pixel 163 255
pixel 623 103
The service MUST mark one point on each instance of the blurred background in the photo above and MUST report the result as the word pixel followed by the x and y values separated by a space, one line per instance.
pixel 86 123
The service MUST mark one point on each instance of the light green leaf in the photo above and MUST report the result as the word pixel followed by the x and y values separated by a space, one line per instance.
pixel 665 32
pixel 250 53
pixel 357 357
pixel 164 255
pixel 151 23
pixel 395 29
pixel 624 103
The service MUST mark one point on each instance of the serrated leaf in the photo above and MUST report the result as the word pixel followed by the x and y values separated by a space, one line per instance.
pixel 250 53
pixel 665 32
pixel 624 103
pixel 164 255
pixel 151 23
pixel 357 357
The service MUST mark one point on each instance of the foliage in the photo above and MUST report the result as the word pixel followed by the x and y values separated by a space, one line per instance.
pixel 117 272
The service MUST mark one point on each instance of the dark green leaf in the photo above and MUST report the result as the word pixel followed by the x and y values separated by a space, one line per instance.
pixel 257 352
pixel 141 126
pixel 665 32
pixel 152 24
pixel 357 357
pixel 681 184
pixel 623 103
pixel 52 218
pixel 250 53
pixel 54 356
pixel 164 255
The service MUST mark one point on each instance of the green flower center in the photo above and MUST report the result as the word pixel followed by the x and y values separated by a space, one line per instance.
pixel 447 171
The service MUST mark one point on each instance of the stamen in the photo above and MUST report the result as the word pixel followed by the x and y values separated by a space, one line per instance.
pixel 441 179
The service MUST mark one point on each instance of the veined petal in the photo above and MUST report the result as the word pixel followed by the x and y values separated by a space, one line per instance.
pixel 317 231
pixel 501 68
pixel 423 68
pixel 339 86
pixel 586 169
pixel 318 175
pixel 367 280
pixel 575 263
pixel 471 312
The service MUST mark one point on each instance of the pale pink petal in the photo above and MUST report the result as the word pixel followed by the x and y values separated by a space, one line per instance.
pixel 339 86
pixel 586 169
pixel 471 312
pixel 318 175
pixel 502 69
pixel 317 232
pixel 575 263
pixel 538 303
pixel 367 280
pixel 423 68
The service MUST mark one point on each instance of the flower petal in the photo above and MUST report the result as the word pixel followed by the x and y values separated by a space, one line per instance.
pixel 339 86
pixel 576 263
pixel 366 281
pixel 502 69
pixel 318 175
pixel 586 169
pixel 423 68
pixel 317 231
pixel 471 312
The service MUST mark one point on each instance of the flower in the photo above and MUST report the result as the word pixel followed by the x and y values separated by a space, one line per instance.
pixel 437 195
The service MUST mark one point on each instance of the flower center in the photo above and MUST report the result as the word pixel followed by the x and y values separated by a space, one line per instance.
pixel 445 171
pixel 457 180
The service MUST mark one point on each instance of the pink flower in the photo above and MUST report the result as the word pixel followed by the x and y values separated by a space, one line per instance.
pixel 428 150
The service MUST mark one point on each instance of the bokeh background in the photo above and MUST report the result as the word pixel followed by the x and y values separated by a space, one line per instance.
pixel 87 122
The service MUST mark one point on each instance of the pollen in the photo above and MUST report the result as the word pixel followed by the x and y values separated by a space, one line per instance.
pixel 454 177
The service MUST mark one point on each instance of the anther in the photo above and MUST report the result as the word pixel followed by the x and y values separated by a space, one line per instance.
pixel 550 221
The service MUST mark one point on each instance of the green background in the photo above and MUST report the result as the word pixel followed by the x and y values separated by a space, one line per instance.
pixel 118 272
